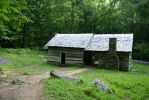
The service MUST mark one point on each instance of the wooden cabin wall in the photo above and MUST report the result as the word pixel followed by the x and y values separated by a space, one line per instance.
pixel 73 56
pixel 124 61
pixel 54 56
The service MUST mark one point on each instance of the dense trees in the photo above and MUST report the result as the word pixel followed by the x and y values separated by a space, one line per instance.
pixel 30 23
pixel 12 20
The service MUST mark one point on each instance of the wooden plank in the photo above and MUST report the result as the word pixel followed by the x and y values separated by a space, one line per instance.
pixel 74 62
pixel 56 60
pixel 54 54
pixel 54 57
pixel 74 59
pixel 79 53
pixel 74 56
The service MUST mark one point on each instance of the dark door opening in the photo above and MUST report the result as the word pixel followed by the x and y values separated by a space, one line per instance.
pixel 88 58
pixel 62 58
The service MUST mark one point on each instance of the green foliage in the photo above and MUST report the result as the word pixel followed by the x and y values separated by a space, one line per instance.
pixel 1 69
pixel 57 89
pixel 141 51
pixel 141 68
pixel 12 20
pixel 31 23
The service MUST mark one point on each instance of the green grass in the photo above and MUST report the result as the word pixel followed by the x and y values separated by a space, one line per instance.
pixel 23 60
pixel 141 68
pixel 27 61
pixel 133 85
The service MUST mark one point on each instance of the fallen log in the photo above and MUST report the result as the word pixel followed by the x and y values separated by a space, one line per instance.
pixel 62 75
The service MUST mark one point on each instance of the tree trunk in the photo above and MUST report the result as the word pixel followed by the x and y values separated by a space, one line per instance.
pixel 24 36
pixel 72 16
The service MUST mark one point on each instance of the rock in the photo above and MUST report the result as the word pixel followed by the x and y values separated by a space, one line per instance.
pixel 2 74
pixel 17 81
pixel 62 75
pixel 4 61
pixel 100 85
pixel 57 73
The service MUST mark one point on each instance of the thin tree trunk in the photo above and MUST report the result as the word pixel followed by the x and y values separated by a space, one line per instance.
pixel 24 36
pixel 72 16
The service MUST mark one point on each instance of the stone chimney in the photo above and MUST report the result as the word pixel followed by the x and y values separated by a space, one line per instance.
pixel 55 34
pixel 112 44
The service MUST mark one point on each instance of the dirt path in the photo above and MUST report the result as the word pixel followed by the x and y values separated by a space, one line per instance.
pixel 31 89
pixel 77 71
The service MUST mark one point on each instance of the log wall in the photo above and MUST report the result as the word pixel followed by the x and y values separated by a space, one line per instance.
pixel 72 55
pixel 54 56
pixel 110 60
pixel 125 61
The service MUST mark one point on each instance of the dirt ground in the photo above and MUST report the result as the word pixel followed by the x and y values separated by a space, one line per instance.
pixel 31 89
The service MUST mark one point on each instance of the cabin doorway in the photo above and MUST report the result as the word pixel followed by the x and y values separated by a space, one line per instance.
pixel 88 58
pixel 63 57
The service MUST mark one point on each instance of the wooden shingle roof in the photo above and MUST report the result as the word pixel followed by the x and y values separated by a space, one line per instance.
pixel 101 42
pixel 70 40
pixel 91 42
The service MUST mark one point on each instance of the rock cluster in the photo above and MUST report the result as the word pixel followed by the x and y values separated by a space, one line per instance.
pixel 100 85
pixel 4 61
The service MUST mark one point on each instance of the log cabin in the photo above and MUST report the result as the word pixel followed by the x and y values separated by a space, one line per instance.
pixel 112 51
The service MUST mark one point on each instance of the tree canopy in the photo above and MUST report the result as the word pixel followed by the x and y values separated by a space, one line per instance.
pixel 31 23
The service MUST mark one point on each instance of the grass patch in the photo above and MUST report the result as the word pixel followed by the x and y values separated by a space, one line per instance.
pixel 24 61
pixel 57 89
pixel 133 85
pixel 126 85
pixel 141 68
pixel 27 61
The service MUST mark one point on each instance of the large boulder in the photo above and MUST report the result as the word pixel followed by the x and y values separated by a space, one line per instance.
pixel 100 85
pixel 62 75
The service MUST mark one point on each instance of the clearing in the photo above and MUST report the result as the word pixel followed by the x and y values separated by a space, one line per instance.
pixel 31 89
pixel 28 72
